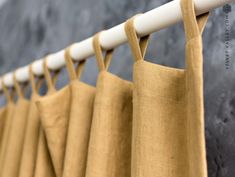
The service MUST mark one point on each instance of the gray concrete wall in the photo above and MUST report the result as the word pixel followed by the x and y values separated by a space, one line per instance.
pixel 31 29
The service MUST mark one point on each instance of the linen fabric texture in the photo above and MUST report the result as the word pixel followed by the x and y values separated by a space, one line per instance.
pixel 44 165
pixel 80 119
pixel 15 137
pixel 31 137
pixel 54 113
pixel 7 120
pixel 109 153
pixel 168 117
pixel 3 112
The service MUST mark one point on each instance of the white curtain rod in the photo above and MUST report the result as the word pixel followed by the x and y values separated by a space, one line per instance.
pixel 147 23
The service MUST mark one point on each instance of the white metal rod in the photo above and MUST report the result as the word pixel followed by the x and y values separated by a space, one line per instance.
pixel 147 23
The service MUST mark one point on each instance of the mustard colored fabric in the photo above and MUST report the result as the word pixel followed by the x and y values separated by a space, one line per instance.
pixel 168 116
pixel 6 130
pixel 3 113
pixel 109 153
pixel 7 122
pixel 44 164
pixel 29 153
pixel 81 109
pixel 13 151
pixel 54 113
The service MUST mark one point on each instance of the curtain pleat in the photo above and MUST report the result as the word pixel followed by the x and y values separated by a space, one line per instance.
pixel 13 150
pixel 28 158
pixel 5 132
pixel 3 113
pixel 43 166
pixel 29 153
pixel 81 109
pixel 7 122
pixel 109 153
pixel 54 113
pixel 10 110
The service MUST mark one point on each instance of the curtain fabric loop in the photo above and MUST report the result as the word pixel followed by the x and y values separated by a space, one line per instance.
pixel 9 96
pixel 50 80
pixel 193 25
pixel 80 68
pixel 38 84
pixel 35 84
pixel 19 90
pixel 103 62
pixel 73 73
pixel 138 47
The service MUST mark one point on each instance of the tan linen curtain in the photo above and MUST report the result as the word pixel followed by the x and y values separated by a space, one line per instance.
pixel 7 116
pixel 109 153
pixel 3 112
pixel 44 166
pixel 13 151
pixel 29 153
pixel 54 113
pixel 82 99
pixel 168 121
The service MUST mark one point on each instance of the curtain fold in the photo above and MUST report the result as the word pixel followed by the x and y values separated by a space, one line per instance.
pixel 3 113
pixel 44 164
pixel 81 109
pixel 10 105
pixel 54 114
pixel 168 123
pixel 29 153
pixel 109 153
pixel 13 150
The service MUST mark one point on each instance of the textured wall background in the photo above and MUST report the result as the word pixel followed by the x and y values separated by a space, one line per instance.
pixel 31 29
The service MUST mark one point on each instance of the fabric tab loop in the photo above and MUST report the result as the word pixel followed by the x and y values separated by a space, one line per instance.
pixel 50 80
pixel 138 46
pixel 74 73
pixel 103 62
pixel 193 25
